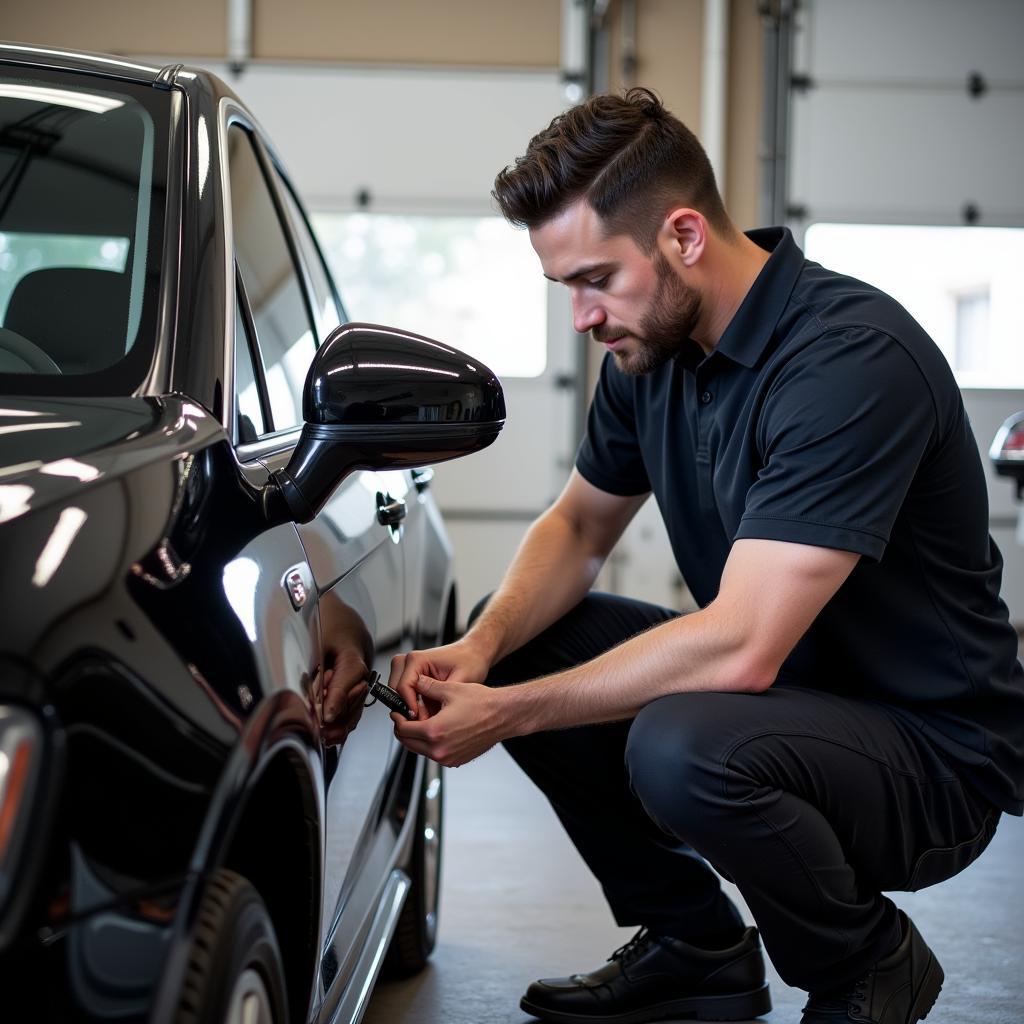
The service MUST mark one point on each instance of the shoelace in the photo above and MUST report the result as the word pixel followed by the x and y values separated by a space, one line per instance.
pixel 858 994
pixel 632 949
pixel 838 1001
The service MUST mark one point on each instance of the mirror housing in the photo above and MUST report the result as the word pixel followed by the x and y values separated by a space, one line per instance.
pixel 1007 451
pixel 378 398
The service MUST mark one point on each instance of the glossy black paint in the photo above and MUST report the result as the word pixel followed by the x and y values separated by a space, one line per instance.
pixel 179 685
pixel 368 375
pixel 377 398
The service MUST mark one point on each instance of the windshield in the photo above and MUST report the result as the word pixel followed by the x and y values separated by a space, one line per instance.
pixel 82 191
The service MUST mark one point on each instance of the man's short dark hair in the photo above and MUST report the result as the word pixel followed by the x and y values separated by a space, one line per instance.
pixel 626 155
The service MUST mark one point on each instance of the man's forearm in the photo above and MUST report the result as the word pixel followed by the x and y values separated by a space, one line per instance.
pixel 551 573
pixel 701 651
pixel 736 644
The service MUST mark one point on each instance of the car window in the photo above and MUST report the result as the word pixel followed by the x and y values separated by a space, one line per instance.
pixel 284 333
pixel 328 315
pixel 247 397
pixel 82 171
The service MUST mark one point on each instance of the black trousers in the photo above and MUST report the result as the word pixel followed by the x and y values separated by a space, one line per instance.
pixel 813 804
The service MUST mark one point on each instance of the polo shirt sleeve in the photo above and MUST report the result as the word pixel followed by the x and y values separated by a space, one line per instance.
pixel 842 431
pixel 609 456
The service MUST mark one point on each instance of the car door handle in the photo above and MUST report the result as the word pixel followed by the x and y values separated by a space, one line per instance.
pixel 390 511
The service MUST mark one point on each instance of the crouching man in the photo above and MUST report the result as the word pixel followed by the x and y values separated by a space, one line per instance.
pixel 844 714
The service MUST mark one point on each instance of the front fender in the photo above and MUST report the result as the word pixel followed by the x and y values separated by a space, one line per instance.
pixel 282 736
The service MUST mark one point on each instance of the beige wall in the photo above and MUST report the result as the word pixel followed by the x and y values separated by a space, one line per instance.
pixel 489 32
pixel 197 28
pixel 746 92
pixel 524 33
pixel 668 44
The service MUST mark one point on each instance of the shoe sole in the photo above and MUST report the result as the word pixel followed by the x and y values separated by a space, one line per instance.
pixel 741 1006
pixel 931 986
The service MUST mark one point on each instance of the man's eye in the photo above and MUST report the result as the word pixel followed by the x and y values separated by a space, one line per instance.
pixel 598 282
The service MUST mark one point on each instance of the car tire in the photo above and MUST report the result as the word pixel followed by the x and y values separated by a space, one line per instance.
pixel 234 971
pixel 416 932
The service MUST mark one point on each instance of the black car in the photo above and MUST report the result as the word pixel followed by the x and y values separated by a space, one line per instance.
pixel 215 525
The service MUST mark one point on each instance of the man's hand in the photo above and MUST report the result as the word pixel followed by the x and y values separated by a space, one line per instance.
pixel 467 721
pixel 460 662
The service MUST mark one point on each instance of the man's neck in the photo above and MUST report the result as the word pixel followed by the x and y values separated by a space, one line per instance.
pixel 734 270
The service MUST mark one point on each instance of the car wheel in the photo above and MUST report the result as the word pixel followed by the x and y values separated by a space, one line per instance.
pixel 234 973
pixel 416 932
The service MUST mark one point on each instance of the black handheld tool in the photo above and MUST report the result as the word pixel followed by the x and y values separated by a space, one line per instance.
pixel 388 697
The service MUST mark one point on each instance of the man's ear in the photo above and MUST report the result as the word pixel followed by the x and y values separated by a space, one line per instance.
pixel 683 236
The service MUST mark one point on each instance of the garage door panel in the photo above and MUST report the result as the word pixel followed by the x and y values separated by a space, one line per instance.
pixel 415 138
pixel 913 40
pixel 482 550
pixel 918 155
pixel 517 473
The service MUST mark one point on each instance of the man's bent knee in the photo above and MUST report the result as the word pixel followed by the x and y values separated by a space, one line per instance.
pixel 674 756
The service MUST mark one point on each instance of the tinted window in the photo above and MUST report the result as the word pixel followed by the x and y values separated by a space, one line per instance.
pixel 328 316
pixel 82 172
pixel 283 329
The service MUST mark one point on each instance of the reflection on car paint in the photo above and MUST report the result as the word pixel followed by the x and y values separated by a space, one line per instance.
pixel 65 530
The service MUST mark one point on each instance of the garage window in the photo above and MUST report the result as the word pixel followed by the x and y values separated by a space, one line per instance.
pixel 472 282
pixel 962 284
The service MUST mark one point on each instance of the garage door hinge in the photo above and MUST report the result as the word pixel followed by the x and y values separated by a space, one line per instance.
pixel 800 81
pixel 971 213
pixel 977 85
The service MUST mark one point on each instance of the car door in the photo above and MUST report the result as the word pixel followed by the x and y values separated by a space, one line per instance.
pixel 355 559
pixel 359 571
pixel 358 562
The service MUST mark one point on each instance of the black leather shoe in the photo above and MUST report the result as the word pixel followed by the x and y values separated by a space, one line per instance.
pixel 654 977
pixel 900 989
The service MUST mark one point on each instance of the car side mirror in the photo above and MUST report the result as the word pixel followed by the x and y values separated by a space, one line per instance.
pixel 378 398
pixel 1007 451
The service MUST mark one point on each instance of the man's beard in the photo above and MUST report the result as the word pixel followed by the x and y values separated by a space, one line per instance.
pixel 666 325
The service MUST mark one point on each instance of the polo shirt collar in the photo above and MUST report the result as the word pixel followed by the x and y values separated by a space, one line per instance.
pixel 753 324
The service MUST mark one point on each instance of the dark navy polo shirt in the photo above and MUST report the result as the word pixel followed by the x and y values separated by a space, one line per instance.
pixel 827 416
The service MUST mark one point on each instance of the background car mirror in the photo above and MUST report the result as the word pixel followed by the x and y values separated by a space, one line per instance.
pixel 378 398
pixel 1007 451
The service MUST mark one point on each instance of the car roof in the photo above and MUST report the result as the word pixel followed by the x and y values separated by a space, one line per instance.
pixel 59 58
pixel 164 76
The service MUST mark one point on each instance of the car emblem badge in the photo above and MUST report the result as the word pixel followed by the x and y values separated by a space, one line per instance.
pixel 296 587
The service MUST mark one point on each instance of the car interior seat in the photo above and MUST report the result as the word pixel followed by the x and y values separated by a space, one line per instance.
pixel 78 316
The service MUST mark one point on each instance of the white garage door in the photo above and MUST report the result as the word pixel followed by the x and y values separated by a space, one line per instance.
pixel 914 115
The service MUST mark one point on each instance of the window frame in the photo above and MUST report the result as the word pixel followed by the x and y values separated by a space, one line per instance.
pixel 237 120
pixel 263 397
pixel 284 184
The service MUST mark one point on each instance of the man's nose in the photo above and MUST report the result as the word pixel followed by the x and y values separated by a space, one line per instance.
pixel 586 315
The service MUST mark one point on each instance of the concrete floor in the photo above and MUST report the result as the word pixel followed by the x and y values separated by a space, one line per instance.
pixel 518 904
